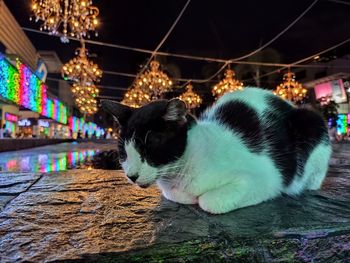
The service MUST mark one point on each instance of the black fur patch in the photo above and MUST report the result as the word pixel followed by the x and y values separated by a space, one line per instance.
pixel 279 137
pixel 242 119
pixel 309 130
pixel 291 134
pixel 158 141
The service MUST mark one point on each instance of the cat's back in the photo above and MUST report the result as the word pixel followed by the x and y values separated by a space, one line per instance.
pixel 247 113
pixel 268 125
pixel 250 100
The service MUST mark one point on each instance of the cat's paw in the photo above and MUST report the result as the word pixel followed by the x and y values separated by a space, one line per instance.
pixel 180 197
pixel 212 205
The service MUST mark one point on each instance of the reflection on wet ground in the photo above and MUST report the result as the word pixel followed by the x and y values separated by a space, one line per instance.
pixel 94 215
pixel 51 158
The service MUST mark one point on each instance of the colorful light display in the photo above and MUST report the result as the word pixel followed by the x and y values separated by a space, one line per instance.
pixel 9 81
pixel 47 162
pixel 342 124
pixel 76 124
pixel 22 87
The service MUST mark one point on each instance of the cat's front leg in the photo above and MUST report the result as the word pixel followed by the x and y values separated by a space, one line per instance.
pixel 227 198
pixel 174 194
pixel 178 196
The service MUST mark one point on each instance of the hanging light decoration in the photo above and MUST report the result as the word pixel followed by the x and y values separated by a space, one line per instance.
pixel 191 99
pixel 86 105
pixel 79 89
pixel 228 84
pixel 136 97
pixel 73 18
pixel 154 81
pixel 290 89
pixel 81 68
pixel 85 97
pixel 84 73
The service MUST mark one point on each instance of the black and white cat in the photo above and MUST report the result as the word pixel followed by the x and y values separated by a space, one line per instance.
pixel 249 147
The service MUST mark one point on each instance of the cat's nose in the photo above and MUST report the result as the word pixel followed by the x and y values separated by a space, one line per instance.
pixel 133 177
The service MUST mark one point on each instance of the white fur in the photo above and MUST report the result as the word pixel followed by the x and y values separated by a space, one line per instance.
pixel 224 180
pixel 134 166
pixel 314 171
pixel 221 174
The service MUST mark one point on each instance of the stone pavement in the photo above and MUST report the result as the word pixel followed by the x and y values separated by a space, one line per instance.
pixel 97 216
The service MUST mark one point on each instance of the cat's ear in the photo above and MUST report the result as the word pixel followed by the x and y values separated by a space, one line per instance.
pixel 119 111
pixel 176 111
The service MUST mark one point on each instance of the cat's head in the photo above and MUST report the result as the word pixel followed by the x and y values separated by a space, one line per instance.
pixel 151 137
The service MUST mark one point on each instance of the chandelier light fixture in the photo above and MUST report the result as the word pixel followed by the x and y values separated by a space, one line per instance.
pixel 290 89
pixel 84 73
pixel 80 90
pixel 136 97
pixel 154 81
pixel 80 68
pixel 85 97
pixel 192 99
pixel 228 84
pixel 73 18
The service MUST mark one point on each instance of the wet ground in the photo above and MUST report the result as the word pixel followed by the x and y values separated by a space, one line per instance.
pixel 52 158
pixel 95 215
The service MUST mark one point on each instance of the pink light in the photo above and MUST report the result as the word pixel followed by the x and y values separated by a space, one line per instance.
pixel 323 90
pixel 332 89
pixel 11 117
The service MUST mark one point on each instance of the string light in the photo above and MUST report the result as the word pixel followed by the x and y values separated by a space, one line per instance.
pixel 22 87
pixel 290 89
pixel 191 99
pixel 154 81
pixel 136 97
pixel 228 84
pixel 73 18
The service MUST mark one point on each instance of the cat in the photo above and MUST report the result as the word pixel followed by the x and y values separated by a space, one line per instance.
pixel 249 147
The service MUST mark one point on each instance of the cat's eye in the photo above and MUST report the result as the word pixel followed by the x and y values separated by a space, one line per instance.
pixel 154 138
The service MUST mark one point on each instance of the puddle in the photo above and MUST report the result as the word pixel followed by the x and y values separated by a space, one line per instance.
pixel 60 157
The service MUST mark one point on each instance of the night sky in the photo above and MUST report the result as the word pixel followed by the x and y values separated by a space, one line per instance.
pixel 219 29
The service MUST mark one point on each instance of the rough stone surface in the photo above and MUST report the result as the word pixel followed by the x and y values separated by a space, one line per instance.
pixel 96 215
pixel 12 184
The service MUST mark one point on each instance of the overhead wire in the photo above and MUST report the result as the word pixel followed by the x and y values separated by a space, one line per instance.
pixel 263 46
pixel 284 66
pixel 190 57
pixel 225 62
pixel 166 36
pixel 294 64
pixel 156 52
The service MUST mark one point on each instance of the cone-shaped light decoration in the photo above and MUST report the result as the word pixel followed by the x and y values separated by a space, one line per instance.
pixel 136 97
pixel 290 89
pixel 192 99
pixel 154 81
pixel 228 84
pixel 85 94
pixel 80 68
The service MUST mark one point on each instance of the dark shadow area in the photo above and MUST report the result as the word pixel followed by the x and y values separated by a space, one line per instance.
pixel 107 160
